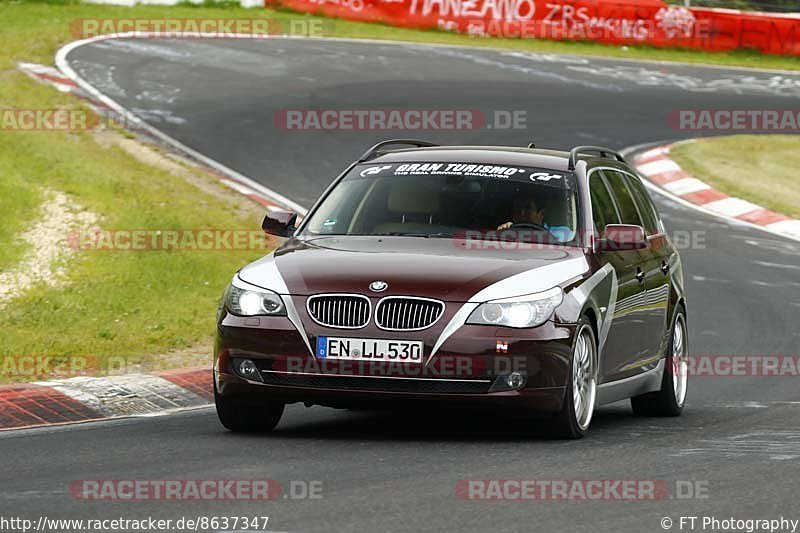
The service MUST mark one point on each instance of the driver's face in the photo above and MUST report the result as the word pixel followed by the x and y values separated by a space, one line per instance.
pixel 526 211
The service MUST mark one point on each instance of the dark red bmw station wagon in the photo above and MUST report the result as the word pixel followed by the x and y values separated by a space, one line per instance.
pixel 486 277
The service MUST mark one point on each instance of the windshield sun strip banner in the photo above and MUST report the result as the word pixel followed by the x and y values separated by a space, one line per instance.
pixel 466 170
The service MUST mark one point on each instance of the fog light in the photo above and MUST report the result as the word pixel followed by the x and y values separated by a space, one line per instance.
pixel 248 369
pixel 515 380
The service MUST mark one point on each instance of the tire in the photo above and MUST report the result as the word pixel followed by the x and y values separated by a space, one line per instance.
pixel 241 417
pixel 581 391
pixel 669 401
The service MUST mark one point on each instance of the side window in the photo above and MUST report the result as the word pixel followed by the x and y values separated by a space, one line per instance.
pixel 627 207
pixel 603 210
pixel 646 208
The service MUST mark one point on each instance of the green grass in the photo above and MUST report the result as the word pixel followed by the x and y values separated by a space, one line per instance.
pixel 758 168
pixel 128 304
pixel 19 200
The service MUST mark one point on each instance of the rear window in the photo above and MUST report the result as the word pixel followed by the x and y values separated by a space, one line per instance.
pixel 447 199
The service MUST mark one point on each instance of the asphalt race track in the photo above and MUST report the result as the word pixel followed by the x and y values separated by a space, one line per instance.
pixel 398 471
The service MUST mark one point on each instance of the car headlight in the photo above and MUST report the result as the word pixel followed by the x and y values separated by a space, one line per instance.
pixel 250 302
pixel 520 312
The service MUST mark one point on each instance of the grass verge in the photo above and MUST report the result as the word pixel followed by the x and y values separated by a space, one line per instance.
pixel 758 168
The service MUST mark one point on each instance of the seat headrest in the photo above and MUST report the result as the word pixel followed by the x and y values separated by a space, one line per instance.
pixel 410 198
pixel 556 213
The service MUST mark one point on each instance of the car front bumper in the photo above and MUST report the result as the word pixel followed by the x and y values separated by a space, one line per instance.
pixel 469 370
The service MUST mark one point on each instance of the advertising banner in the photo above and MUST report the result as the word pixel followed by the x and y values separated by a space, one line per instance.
pixel 650 22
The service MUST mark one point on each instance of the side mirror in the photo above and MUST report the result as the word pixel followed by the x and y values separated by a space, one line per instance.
pixel 279 223
pixel 624 237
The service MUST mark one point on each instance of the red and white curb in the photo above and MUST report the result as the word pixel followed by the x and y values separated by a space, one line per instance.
pixel 50 75
pixel 83 399
pixel 656 165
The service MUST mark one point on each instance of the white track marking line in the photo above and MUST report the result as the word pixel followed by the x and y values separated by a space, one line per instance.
pixel 777 265
pixel 63 65
pixel 238 187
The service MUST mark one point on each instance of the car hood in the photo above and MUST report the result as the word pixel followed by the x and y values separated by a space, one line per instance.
pixel 441 268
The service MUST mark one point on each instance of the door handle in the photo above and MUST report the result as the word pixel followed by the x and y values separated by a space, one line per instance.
pixel 640 275
pixel 665 267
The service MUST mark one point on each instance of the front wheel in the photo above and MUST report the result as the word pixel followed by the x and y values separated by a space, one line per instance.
pixel 242 417
pixel 669 401
pixel 581 392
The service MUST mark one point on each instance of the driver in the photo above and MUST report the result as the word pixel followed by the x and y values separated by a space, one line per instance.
pixel 525 210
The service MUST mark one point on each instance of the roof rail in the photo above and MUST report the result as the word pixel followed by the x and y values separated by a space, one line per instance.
pixel 372 152
pixel 608 153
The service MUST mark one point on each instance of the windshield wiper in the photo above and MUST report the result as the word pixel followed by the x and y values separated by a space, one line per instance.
pixel 402 234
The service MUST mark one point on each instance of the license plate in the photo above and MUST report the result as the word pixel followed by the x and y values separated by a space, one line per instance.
pixel 369 349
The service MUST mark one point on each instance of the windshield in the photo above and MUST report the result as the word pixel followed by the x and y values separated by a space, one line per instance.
pixel 451 200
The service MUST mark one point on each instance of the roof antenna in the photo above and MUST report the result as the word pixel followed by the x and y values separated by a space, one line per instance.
pixel 531 145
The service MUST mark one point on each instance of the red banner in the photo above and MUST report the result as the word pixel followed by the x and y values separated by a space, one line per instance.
pixel 771 33
pixel 650 22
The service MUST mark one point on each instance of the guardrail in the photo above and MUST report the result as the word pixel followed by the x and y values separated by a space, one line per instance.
pixel 771 6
